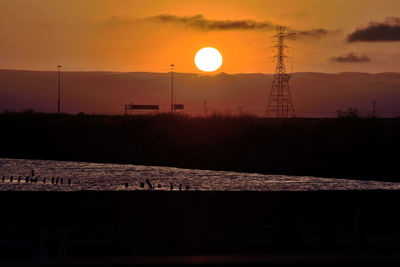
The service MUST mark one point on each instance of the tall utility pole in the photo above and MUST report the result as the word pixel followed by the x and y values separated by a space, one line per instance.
pixel 59 89
pixel 172 88
pixel 205 109
pixel 374 110
pixel 280 103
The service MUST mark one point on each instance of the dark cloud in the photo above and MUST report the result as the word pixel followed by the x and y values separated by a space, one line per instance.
pixel 386 31
pixel 351 58
pixel 314 33
pixel 199 22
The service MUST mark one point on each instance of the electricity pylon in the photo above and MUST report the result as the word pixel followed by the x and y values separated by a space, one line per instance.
pixel 280 103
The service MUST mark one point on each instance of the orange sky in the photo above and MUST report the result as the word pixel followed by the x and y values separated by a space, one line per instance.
pixel 117 35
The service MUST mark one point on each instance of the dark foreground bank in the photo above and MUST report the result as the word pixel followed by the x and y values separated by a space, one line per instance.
pixel 345 147
pixel 147 227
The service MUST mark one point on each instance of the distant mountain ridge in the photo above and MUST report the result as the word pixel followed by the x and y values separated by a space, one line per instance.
pixel 314 94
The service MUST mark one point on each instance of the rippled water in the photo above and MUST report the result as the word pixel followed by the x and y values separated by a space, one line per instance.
pixel 97 176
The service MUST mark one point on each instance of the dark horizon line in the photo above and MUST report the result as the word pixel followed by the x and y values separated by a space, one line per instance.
pixel 198 74
pixel 198 115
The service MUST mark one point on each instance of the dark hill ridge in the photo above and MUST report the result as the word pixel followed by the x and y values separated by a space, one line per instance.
pixel 314 94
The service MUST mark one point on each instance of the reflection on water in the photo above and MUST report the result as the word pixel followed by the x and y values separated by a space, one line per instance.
pixel 97 176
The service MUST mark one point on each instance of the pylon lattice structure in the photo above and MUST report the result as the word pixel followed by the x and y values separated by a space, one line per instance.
pixel 280 103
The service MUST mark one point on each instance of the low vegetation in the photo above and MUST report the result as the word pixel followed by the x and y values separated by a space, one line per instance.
pixel 348 147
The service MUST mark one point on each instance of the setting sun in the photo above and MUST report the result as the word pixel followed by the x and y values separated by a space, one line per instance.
pixel 208 59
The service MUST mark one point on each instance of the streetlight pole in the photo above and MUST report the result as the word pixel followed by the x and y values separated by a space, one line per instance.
pixel 59 89
pixel 172 88
pixel 374 104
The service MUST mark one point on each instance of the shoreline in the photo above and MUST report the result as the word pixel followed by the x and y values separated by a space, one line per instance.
pixel 50 175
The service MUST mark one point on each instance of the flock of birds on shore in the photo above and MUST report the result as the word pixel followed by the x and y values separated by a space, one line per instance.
pixel 35 179
pixel 153 186
pixel 56 181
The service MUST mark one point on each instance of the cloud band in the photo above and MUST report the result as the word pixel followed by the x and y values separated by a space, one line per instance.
pixel 387 31
pixel 351 58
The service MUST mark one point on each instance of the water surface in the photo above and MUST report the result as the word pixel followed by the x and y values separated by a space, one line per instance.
pixel 98 176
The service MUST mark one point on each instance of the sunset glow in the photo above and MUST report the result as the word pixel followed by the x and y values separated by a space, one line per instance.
pixel 121 35
pixel 138 42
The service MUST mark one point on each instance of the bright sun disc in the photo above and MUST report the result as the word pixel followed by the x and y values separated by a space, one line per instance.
pixel 208 59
